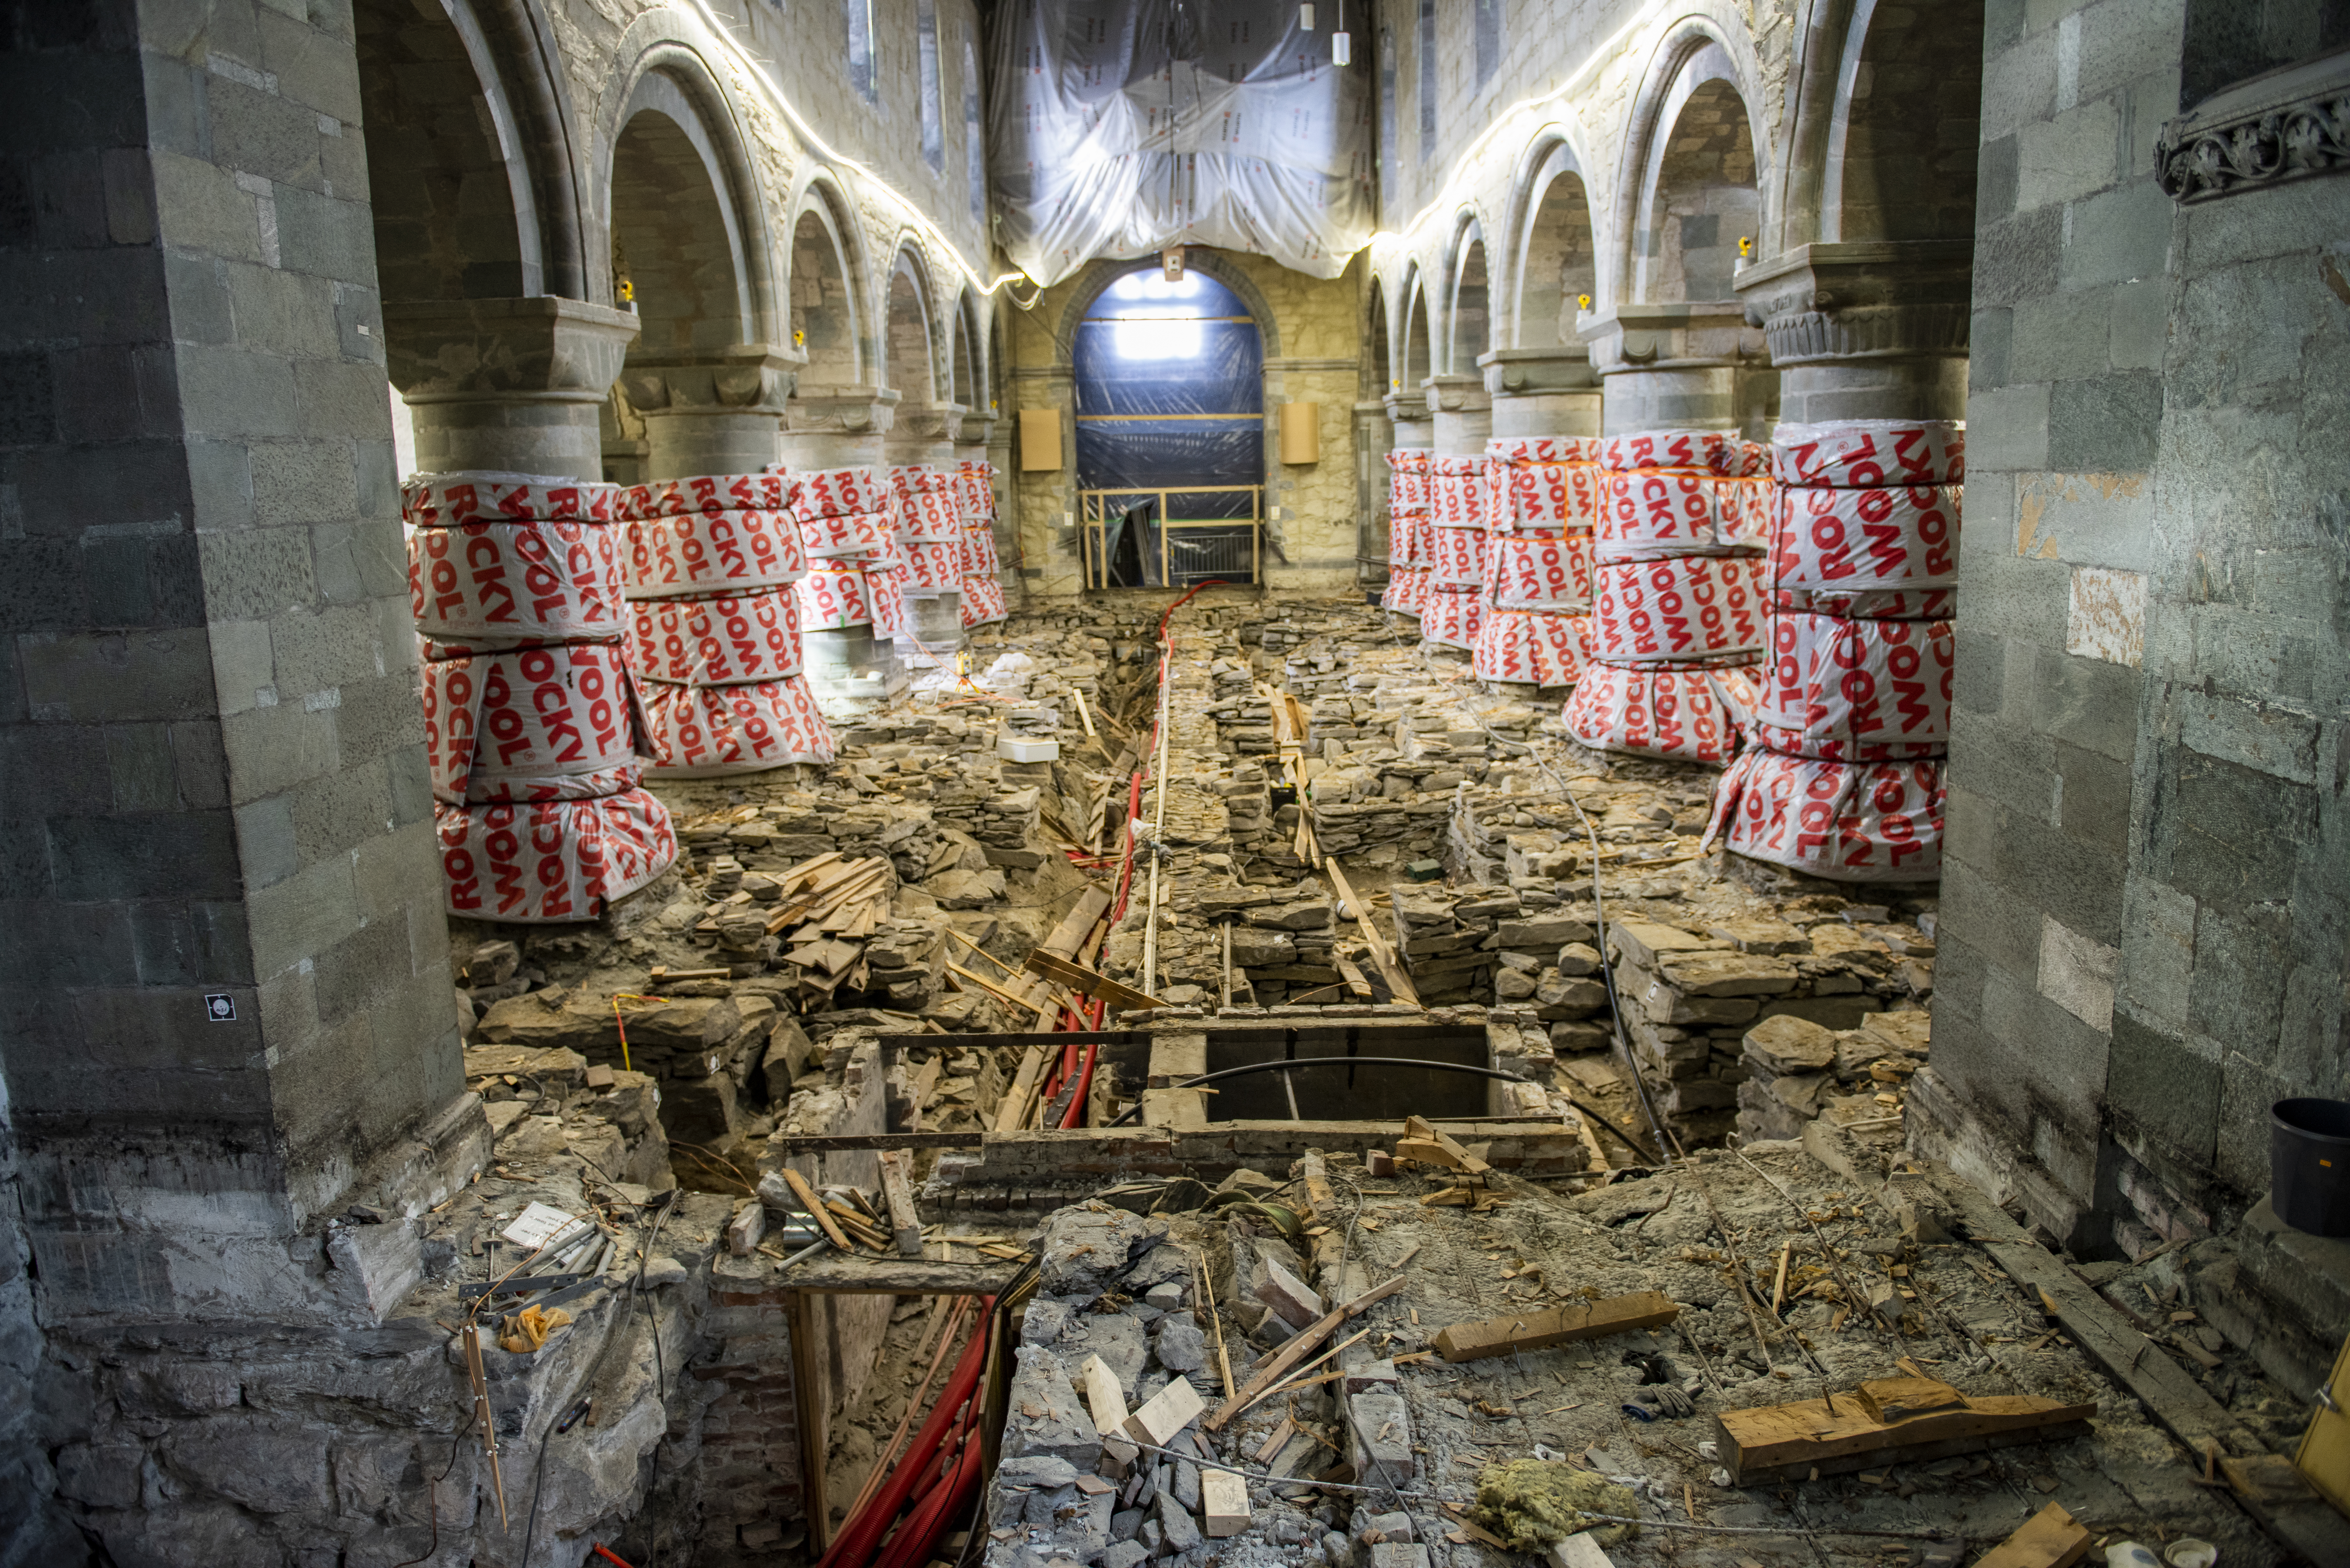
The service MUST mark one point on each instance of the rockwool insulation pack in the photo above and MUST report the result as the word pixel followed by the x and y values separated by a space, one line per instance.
pixel 535 733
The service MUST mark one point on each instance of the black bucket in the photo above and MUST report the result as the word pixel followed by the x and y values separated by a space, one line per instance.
pixel 2309 1165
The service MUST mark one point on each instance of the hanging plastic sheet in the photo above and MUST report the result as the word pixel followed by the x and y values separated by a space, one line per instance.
pixel 1119 128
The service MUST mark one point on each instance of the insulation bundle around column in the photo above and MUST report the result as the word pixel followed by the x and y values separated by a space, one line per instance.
pixel 1540 502
pixel 1455 602
pixel 983 592
pixel 1408 543
pixel 1852 721
pixel 1677 604
pixel 714 622
pixel 844 528
pixel 535 732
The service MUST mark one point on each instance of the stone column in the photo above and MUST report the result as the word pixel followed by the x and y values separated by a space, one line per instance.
pixel 1542 391
pixel 1680 366
pixel 709 413
pixel 1044 503
pixel 1374 437
pixel 513 386
pixel 1869 331
pixel 1463 411
pixel 230 1014
pixel 838 427
pixel 1414 426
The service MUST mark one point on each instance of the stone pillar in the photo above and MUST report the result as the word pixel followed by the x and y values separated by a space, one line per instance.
pixel 512 386
pixel 709 413
pixel 1374 437
pixel 1867 331
pixel 924 435
pixel 838 427
pixel 1414 426
pixel 1463 411
pixel 1542 391
pixel 1044 503
pixel 230 1012
pixel 1680 366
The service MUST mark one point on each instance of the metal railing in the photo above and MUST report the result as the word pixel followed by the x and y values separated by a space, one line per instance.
pixel 1099 508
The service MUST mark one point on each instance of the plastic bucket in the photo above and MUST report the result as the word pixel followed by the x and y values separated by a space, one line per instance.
pixel 2309 1165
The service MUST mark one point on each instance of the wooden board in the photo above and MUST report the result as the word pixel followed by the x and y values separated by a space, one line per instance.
pixel 1541 1330
pixel 838 1273
pixel 2049 1539
pixel 2173 1396
pixel 1398 982
pixel 2294 1512
pixel 898 1193
pixel 1285 1360
pixel 1454 1155
pixel 1838 1434
pixel 1012 1111
pixel 2324 1452
pixel 1122 998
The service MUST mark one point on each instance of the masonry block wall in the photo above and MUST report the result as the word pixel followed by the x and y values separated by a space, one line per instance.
pixel 208 711
pixel 2142 942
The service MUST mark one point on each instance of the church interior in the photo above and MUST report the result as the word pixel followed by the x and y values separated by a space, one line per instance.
pixel 1012 595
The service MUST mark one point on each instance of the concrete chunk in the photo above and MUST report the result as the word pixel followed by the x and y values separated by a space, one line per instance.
pixel 1787 1044
pixel 1291 1298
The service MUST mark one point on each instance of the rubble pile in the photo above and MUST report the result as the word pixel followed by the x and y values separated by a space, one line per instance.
pixel 1798 1071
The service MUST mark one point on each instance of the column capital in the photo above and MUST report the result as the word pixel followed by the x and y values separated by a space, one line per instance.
pixel 1704 334
pixel 542 349
pixel 1406 408
pixel 1532 373
pixel 929 422
pixel 1865 300
pixel 842 411
pixel 741 378
pixel 1456 394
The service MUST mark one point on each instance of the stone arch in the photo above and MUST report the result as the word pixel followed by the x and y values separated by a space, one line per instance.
pixel 1418 334
pixel 670 79
pixel 1557 253
pixel 1468 310
pixel 909 356
pixel 1099 274
pixel 470 186
pixel 1692 185
pixel 825 323
pixel 967 363
pixel 1901 145
pixel 677 251
pixel 1378 377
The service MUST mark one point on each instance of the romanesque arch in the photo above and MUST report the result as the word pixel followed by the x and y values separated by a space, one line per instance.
pixel 1691 186
pixel 1557 266
pixel 1469 312
pixel 824 320
pixel 678 248
pixel 909 356
pixel 1418 334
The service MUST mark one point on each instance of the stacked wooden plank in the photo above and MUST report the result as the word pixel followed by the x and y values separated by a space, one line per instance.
pixel 828 909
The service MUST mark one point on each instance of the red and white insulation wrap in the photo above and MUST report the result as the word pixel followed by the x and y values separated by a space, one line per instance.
pixel 1852 723
pixel 982 585
pixel 1409 544
pixel 716 620
pixel 1452 603
pixel 1676 594
pixel 537 734
pixel 1540 503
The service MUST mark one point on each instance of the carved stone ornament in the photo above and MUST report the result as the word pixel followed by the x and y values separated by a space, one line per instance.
pixel 1861 300
pixel 929 422
pixel 1457 394
pixel 2288 124
pixel 534 349
pixel 1703 335
pixel 747 378
pixel 841 410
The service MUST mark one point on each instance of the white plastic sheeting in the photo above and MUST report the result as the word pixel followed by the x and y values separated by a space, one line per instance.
pixel 1119 127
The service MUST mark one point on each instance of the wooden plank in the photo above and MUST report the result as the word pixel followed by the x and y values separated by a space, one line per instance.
pixel 2176 1400
pixel 1106 1402
pixel 841 1274
pixel 1341 962
pixel 1457 1157
pixel 1073 926
pixel 2049 1539
pixel 811 1406
pixel 1122 997
pixel 1012 1111
pixel 1398 982
pixel 1287 1358
pixel 2285 1504
pixel 820 1143
pixel 815 1206
pixel 1223 1503
pixel 1558 1326
pixel 898 1193
pixel 1837 1435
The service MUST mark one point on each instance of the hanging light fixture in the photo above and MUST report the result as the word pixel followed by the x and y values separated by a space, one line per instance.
pixel 1342 43
pixel 1305 15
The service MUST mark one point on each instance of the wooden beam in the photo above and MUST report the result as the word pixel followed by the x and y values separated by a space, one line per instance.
pixel 1285 1360
pixel 1541 1330
pixel 898 1194
pixel 1122 997
pixel 1398 982
pixel 1012 1110
pixel 815 1206
pixel 2049 1539
pixel 825 1143
pixel 1839 1434
pixel 2128 1356
pixel 836 1273
pixel 1441 1148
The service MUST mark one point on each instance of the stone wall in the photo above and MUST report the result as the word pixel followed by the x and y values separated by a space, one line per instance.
pixel 2142 931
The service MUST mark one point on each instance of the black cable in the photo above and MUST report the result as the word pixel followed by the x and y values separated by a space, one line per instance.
pixel 1135 1109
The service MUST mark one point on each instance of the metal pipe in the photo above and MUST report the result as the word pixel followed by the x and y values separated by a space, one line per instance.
pixel 1281 1066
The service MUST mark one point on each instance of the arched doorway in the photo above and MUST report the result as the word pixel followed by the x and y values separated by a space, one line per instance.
pixel 1170 432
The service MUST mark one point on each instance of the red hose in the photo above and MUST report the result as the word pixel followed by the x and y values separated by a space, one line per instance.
pixel 1075 1115
pixel 855 1544
pixel 916 1541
